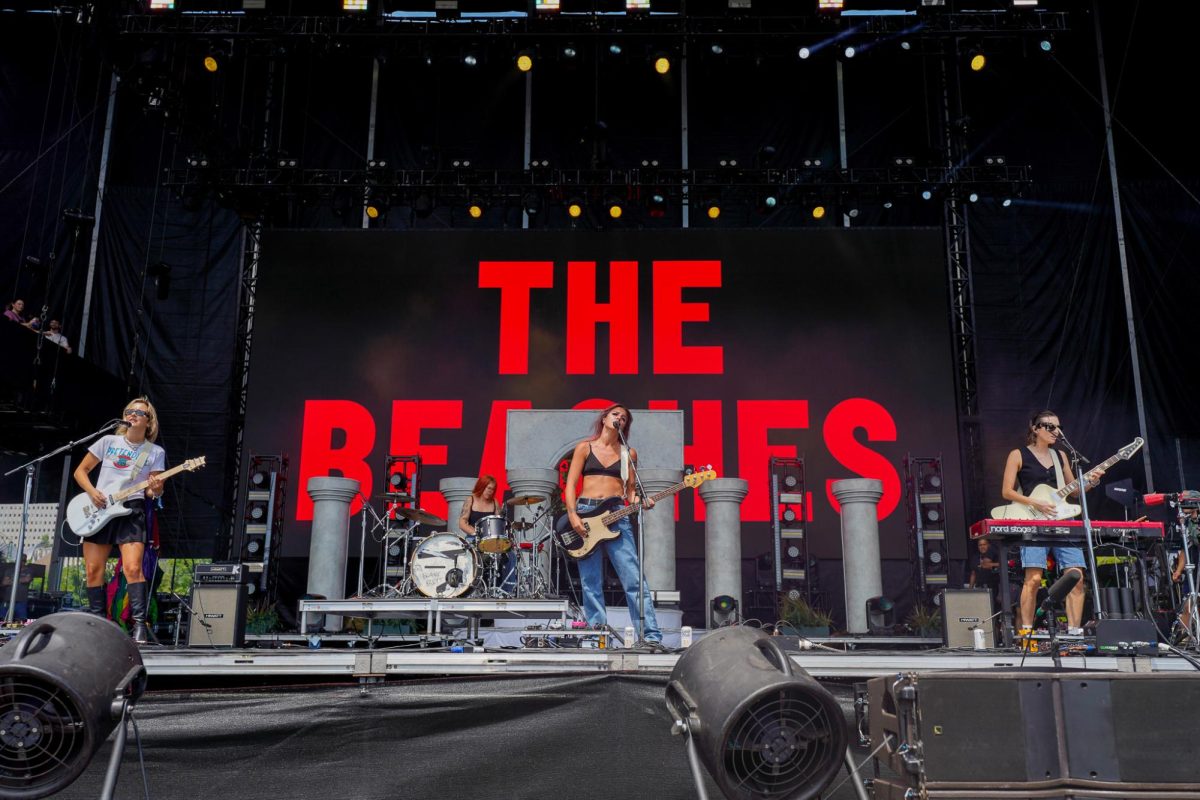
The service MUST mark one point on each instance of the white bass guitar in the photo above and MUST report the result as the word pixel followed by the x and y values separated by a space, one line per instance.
pixel 85 519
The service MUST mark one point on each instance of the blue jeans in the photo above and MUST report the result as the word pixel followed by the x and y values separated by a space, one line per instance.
pixel 622 552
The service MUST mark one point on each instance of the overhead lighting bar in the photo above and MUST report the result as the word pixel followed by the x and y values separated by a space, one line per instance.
pixel 547 6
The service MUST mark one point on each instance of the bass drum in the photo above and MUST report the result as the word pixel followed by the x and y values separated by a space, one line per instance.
pixel 444 565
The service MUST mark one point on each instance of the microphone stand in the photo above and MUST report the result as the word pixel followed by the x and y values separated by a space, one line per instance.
pixel 362 542
pixel 641 609
pixel 31 467
pixel 1078 460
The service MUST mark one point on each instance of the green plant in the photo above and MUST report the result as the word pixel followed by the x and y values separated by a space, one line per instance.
pixel 921 618
pixel 798 613
pixel 261 617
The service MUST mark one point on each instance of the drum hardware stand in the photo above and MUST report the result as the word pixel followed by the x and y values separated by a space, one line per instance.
pixel 385 588
pixel 1189 571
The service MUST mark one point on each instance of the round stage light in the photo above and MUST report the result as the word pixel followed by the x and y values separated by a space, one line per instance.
pixel 978 61
pixel 717 49
pixel 818 212
pixel 211 64
pixel 1006 202
pixel 570 52
pixel 524 62
pixel 253 546
pixel 614 49
pixel 662 65
pixel 713 210
pixel 804 52
pixel 1046 45
pixel 470 60
pixel 574 210
pixel 615 210
pixel 475 210
pixel 372 211
pixel 849 51
pixel 926 194
pixel 973 197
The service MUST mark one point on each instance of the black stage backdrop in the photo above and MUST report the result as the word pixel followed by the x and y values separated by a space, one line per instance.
pixel 828 344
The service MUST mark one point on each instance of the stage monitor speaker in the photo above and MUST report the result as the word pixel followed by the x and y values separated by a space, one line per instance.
pixel 218 604
pixel 963 610
pixel 1008 734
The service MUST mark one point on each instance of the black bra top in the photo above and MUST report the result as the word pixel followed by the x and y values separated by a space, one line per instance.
pixel 592 466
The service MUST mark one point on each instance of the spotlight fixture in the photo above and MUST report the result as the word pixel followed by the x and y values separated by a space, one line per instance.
pixel 198 160
pixel 973 197
pixel 547 6
pixel 1006 202
pixel 976 59
pixel 818 211
pixel 637 6
pixel 212 60
pixel 712 208
pixel 614 207
pixel 767 202
pixel 657 205
pixel 804 52
pixel 475 208
pixel 532 203
pixel 615 49
pixel 716 49
pixel 575 208
pixel 524 61
pixel 354 5
pixel 471 60
pixel 374 209
pixel 830 5
pixel 849 51
pixel 662 64
pixel 926 194
pixel 569 51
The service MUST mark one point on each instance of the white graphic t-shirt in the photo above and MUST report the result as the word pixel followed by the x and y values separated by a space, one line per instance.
pixel 116 461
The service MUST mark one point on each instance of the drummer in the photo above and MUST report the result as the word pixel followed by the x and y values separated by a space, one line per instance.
pixel 482 503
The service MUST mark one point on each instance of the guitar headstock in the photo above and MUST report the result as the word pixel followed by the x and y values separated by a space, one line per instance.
pixel 1126 452
pixel 697 478
pixel 193 464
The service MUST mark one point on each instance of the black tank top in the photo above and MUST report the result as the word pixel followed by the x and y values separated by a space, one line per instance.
pixel 592 466
pixel 475 516
pixel 1032 473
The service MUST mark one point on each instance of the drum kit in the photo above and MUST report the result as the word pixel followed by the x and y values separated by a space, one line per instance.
pixel 502 559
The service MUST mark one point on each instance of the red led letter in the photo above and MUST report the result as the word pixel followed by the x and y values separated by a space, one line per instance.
pixel 620 312
pixel 756 419
pixel 515 280
pixel 671 356
pixel 409 418
pixel 843 420
pixel 319 457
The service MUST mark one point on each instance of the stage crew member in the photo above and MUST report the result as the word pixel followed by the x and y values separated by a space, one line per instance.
pixel 607 469
pixel 1034 464
pixel 126 457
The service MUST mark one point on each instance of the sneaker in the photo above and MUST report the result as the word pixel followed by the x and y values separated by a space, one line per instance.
pixel 1074 631
pixel 655 646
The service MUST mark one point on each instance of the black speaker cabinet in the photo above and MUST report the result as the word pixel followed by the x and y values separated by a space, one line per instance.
pixel 1007 734
pixel 962 611
pixel 218 617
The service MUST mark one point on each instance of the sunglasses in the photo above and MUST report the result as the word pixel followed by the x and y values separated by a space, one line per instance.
pixel 1046 426
pixel 136 412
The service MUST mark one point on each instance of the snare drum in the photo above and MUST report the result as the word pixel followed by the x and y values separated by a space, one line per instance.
pixel 491 535
pixel 444 565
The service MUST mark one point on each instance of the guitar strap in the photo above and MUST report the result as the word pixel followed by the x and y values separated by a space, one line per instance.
pixel 139 461
pixel 1058 473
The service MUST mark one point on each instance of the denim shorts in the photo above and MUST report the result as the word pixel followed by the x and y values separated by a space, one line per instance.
pixel 1034 556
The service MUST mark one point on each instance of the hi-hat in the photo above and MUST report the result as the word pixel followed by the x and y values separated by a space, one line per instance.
pixel 420 515
pixel 523 500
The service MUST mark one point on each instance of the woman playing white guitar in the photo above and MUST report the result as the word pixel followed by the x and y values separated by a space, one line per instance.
pixel 1039 463
pixel 125 458
pixel 603 485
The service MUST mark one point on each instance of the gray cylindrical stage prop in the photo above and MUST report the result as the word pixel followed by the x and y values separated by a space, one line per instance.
pixel 540 483
pixel 723 539
pixel 659 537
pixel 859 498
pixel 456 491
pixel 330 533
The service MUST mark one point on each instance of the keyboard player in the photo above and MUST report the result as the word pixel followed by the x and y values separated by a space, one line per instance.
pixel 1028 466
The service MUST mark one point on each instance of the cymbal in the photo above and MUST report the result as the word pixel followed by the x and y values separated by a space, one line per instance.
pixel 395 497
pixel 524 500
pixel 420 515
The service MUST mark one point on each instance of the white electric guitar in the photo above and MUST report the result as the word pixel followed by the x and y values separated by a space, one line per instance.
pixel 1057 497
pixel 86 519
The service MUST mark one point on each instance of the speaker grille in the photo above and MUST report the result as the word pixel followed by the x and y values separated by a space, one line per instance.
pixel 780 744
pixel 42 737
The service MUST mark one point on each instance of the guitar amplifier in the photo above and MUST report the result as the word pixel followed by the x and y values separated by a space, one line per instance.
pixel 218 617
pixel 962 611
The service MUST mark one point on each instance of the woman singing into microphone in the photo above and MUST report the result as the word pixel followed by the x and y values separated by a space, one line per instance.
pixel 607 469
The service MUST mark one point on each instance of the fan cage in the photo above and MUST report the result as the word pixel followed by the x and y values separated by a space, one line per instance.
pixel 43 737
pixel 781 744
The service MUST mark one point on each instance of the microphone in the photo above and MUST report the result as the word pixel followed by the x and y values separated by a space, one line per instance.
pixel 1060 589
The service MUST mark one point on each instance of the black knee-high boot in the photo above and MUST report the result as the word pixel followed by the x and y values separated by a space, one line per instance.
pixel 137 609
pixel 97 596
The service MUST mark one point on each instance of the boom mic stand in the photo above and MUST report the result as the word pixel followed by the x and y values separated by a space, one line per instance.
pixel 1077 461
pixel 30 467
pixel 641 610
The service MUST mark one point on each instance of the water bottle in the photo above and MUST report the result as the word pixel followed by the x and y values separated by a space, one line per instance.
pixel 685 636
pixel 980 642
pixel 629 636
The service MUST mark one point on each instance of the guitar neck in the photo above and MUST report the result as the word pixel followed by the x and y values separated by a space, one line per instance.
pixel 608 519
pixel 141 487
pixel 1071 487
